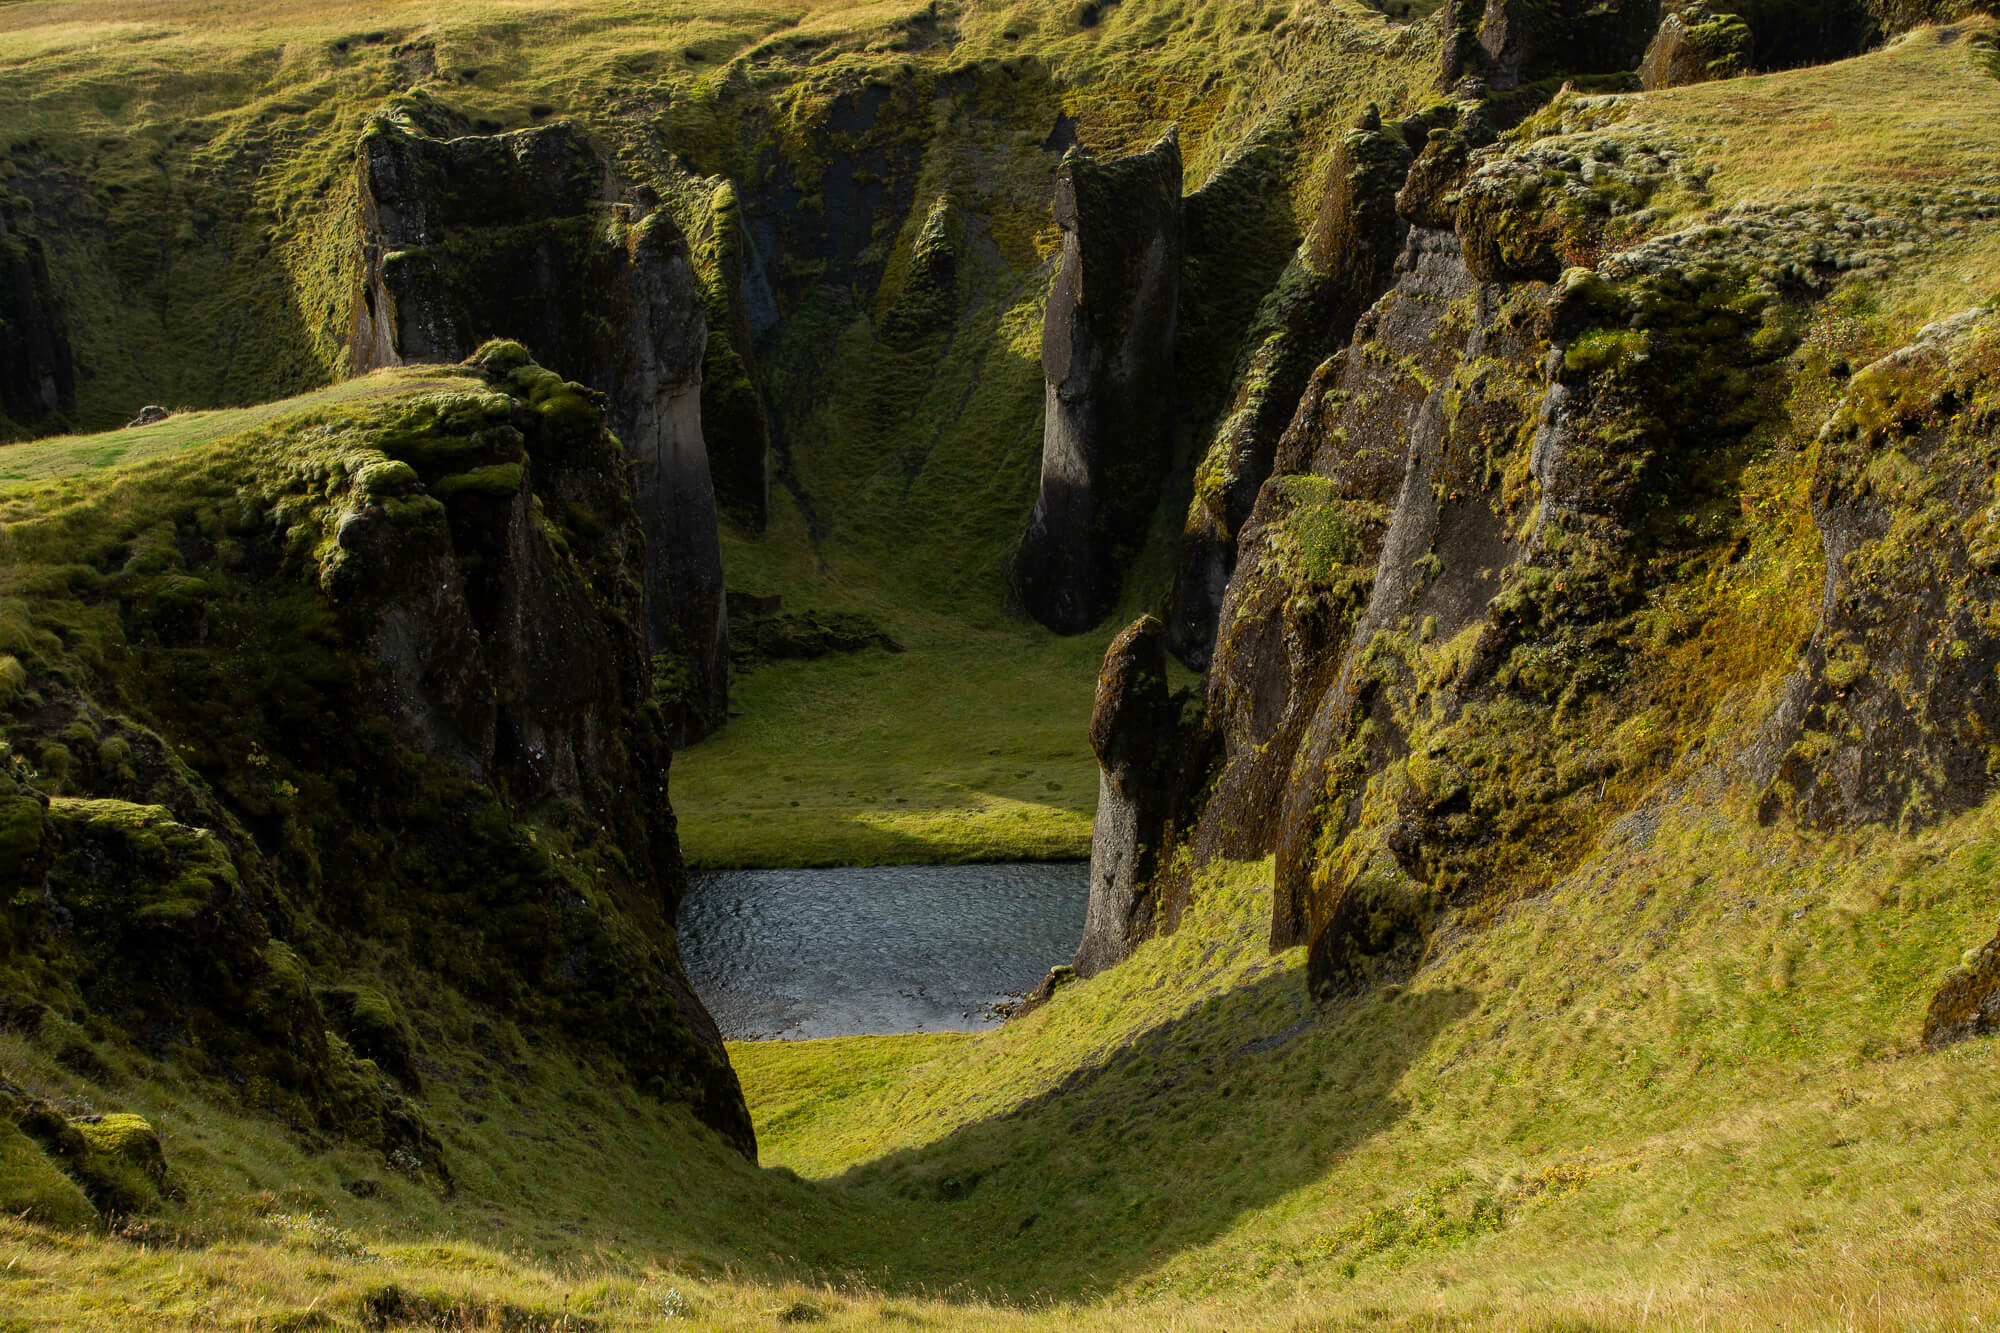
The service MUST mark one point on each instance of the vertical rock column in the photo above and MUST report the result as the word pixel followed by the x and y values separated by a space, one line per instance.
pixel 1132 732
pixel 1107 353
pixel 657 413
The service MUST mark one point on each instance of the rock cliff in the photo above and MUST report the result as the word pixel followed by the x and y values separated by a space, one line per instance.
pixel 1440 667
pixel 1107 354
pixel 364 709
pixel 1132 733
pixel 519 236
pixel 37 376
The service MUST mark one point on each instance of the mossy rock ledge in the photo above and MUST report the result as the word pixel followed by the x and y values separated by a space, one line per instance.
pixel 356 704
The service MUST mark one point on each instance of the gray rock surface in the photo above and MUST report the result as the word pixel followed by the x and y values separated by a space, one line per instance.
pixel 516 236
pixel 1107 353
pixel 1132 733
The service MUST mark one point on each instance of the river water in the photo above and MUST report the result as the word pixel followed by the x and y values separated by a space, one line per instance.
pixel 835 953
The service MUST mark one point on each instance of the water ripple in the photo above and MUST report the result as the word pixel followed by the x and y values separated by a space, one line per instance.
pixel 880 949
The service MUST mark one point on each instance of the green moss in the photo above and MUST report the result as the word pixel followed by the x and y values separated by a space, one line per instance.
pixel 34 1188
pixel 385 478
pixel 494 481
pixel 124 1169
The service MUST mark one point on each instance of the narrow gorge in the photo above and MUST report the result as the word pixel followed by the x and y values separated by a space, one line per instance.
pixel 1145 664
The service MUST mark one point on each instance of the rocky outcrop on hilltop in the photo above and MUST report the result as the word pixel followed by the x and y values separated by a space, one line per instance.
pixel 1107 353
pixel 519 236
pixel 1505 43
pixel 367 683
pixel 1696 45
pixel 37 376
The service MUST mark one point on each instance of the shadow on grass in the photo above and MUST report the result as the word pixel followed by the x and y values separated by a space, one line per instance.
pixel 1162 1146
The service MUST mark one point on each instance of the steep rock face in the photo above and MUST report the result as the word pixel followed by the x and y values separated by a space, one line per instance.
pixel 1700 40
pixel 1892 713
pixel 1132 733
pixel 514 236
pixel 373 681
pixel 1343 265
pixel 1696 45
pixel 1431 685
pixel 1107 353
pixel 1505 43
pixel 37 376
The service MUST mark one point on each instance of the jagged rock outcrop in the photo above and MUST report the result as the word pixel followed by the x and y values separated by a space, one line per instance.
pixel 1968 1004
pixel 1700 40
pixel 1429 689
pixel 517 236
pixel 1891 714
pixel 1343 265
pixel 1506 43
pixel 1107 353
pixel 1696 45
pixel 1133 735
pixel 397 696
pixel 37 376
pixel 733 419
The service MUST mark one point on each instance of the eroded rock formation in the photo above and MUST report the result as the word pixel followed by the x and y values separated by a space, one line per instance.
pixel 1505 43
pixel 397 695
pixel 1107 353
pixel 37 376
pixel 1345 261
pixel 1891 714
pixel 1132 733
pixel 517 236
pixel 1696 45
pixel 1438 671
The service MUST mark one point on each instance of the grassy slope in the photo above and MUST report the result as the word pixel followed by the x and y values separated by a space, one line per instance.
pixel 55 457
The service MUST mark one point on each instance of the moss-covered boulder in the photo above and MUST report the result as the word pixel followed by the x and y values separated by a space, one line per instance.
pixel 113 1161
pixel 34 1188
pixel 1695 46
pixel 1968 1003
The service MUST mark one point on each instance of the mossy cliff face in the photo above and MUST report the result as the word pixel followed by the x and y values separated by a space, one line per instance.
pixel 1132 733
pixel 1456 644
pixel 517 235
pixel 356 705
pixel 1696 45
pixel 1892 715
pixel 1107 353
pixel 37 376
pixel 1344 263
pixel 1505 43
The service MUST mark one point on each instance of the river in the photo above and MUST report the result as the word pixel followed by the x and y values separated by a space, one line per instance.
pixel 883 949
